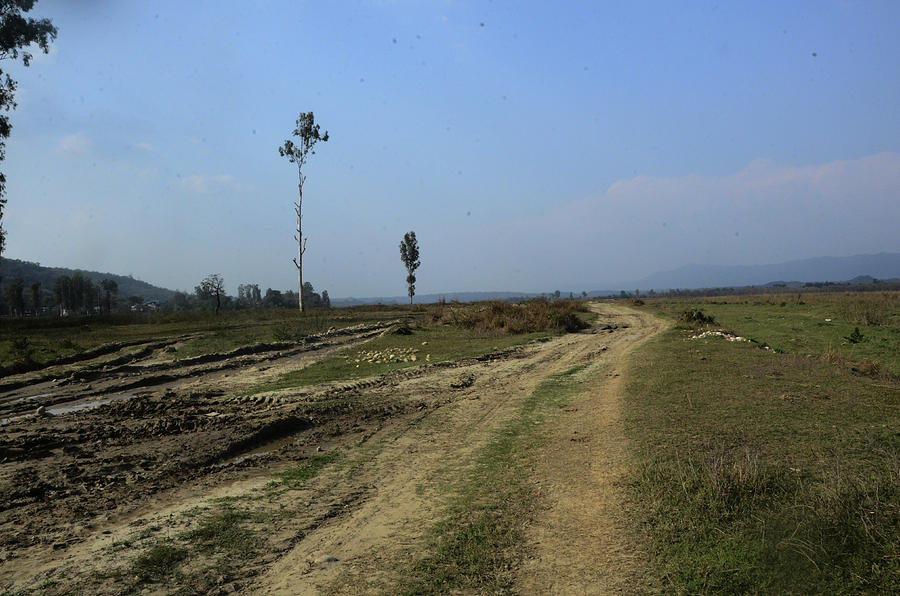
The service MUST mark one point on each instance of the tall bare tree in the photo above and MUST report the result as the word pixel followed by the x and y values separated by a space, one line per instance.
pixel 307 134
pixel 409 254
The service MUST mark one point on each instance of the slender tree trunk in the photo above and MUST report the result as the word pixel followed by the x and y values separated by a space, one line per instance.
pixel 299 261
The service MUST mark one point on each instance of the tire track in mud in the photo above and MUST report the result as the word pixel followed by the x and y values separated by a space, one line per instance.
pixel 122 375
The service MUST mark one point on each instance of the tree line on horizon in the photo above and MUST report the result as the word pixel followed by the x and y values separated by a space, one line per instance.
pixel 77 294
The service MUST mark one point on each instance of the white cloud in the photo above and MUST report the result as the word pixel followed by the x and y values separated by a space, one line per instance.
pixel 75 144
pixel 765 213
pixel 202 184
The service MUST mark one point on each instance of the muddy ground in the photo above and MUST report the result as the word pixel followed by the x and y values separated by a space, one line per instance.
pixel 100 459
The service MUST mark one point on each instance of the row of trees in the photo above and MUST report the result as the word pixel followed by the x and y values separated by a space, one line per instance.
pixel 79 295
pixel 76 294
pixel 210 294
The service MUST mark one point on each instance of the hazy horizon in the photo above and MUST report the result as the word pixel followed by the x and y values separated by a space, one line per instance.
pixel 530 147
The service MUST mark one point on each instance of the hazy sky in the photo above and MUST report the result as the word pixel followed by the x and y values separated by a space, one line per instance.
pixel 532 146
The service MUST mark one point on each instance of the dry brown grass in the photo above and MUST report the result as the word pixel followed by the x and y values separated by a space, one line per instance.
pixel 513 318
pixel 867 367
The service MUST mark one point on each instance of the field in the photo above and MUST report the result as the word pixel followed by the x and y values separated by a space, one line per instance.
pixel 739 445
pixel 773 464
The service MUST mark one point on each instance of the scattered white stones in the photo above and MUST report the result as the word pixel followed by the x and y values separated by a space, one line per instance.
pixel 389 356
pixel 727 336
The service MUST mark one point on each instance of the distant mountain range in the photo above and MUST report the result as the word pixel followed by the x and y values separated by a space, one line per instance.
pixel 882 266
pixel 33 272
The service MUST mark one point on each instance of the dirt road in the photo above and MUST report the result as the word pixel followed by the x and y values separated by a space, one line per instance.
pixel 86 495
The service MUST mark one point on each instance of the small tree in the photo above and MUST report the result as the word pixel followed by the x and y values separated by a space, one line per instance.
pixel 36 298
pixel 307 133
pixel 212 286
pixel 63 292
pixel 15 298
pixel 409 254
pixel 110 287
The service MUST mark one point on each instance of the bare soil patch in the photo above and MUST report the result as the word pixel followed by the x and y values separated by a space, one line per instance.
pixel 86 494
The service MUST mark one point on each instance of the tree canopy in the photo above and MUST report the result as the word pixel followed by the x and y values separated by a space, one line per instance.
pixel 17 32
pixel 409 254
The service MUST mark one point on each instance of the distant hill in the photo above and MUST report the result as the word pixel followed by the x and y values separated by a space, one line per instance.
pixel 858 269
pixel 34 272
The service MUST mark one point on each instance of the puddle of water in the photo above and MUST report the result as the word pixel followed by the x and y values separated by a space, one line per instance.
pixel 31 398
pixel 5 421
pixel 66 409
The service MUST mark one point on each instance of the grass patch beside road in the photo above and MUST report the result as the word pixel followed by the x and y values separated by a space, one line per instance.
pixel 390 352
pixel 810 325
pixel 472 549
pixel 763 472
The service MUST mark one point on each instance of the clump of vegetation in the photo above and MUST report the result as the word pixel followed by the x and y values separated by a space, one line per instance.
pixel 695 316
pixel 868 310
pixel 22 350
pixel 297 476
pixel 856 336
pixel 224 532
pixel 158 562
pixel 522 317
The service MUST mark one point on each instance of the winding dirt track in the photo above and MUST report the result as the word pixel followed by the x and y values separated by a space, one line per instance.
pixel 406 440
pixel 577 544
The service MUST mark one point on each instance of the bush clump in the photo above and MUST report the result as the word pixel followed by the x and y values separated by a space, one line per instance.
pixel 521 317
pixel 697 317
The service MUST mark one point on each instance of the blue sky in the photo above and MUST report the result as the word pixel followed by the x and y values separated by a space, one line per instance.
pixel 532 146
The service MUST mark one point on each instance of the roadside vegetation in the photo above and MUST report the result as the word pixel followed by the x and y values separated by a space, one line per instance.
pixel 850 329
pixel 441 333
pixel 770 470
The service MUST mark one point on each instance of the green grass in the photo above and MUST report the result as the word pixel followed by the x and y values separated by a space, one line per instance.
pixel 819 326
pixel 473 547
pixel 759 472
pixel 158 562
pixel 297 476
pixel 224 532
pixel 441 343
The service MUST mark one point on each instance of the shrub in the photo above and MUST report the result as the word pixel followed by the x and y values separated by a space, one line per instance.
pixel 696 316
pixel 512 318
pixel 158 562
pixel 856 336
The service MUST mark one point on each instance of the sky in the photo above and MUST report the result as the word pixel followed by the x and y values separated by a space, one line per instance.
pixel 532 146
